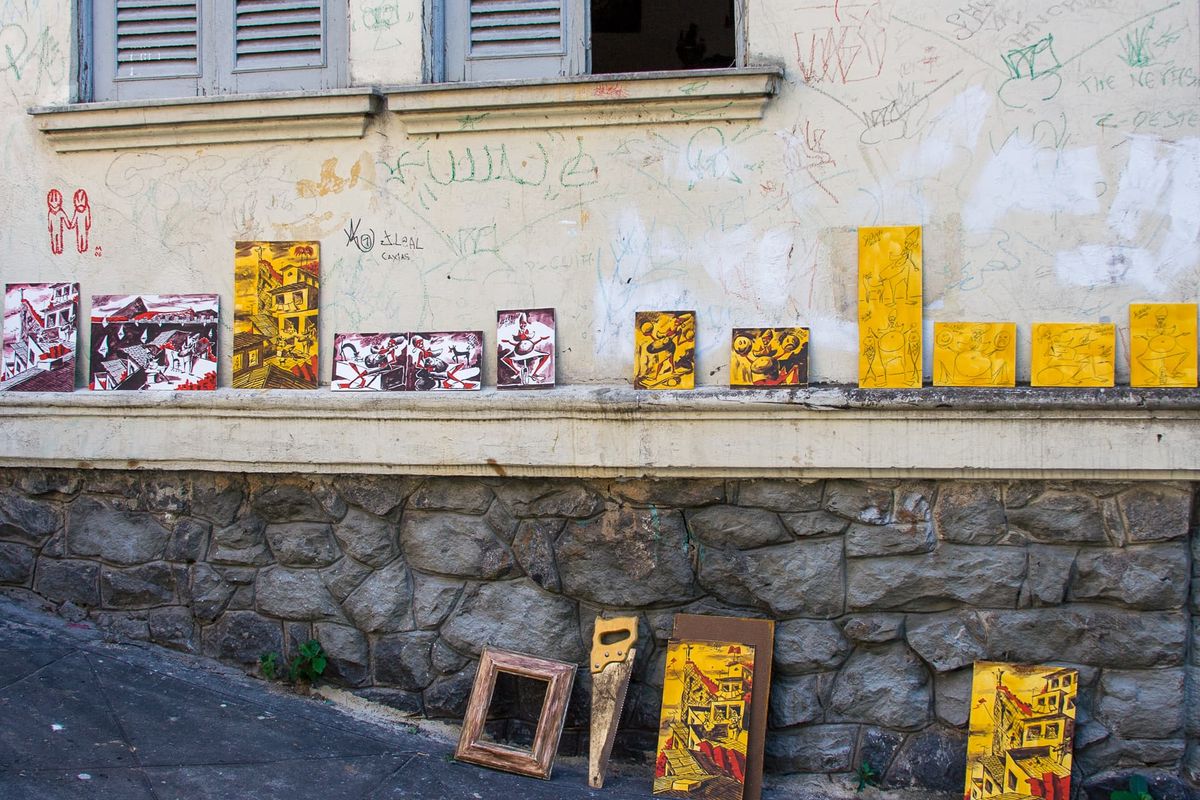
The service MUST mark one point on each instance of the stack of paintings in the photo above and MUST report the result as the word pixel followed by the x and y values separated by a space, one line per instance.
pixel 155 342
pixel 276 305
pixel 40 333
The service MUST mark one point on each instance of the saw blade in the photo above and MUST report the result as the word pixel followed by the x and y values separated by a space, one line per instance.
pixel 609 687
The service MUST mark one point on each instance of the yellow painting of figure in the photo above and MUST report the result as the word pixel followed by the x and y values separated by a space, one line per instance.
pixel 664 350
pixel 1022 729
pixel 768 357
pixel 889 307
pixel 704 729
pixel 1072 354
pixel 974 354
pixel 1162 344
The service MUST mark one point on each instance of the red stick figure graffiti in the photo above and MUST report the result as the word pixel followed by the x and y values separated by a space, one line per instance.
pixel 57 221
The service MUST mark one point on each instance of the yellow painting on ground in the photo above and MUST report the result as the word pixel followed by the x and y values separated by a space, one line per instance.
pixel 664 350
pixel 974 354
pixel 703 732
pixel 889 307
pixel 1072 354
pixel 1022 729
pixel 1162 344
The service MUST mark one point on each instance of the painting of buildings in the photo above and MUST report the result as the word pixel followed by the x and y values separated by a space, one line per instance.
pixel 768 357
pixel 40 333
pixel 1162 344
pixel 703 732
pixel 974 354
pixel 525 343
pixel 889 307
pixel 276 305
pixel 445 362
pixel 664 350
pixel 1022 727
pixel 155 342
pixel 1072 354
pixel 370 362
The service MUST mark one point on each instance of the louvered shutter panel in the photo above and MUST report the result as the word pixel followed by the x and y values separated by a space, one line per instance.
pixel 158 38
pixel 278 34
pixel 493 39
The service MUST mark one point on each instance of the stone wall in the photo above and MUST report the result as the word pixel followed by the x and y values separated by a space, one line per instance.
pixel 885 593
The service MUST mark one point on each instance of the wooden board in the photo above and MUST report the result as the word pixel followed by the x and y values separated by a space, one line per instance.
pixel 761 634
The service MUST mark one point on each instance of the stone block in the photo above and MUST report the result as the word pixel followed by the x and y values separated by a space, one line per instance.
pixel 970 512
pixel 1155 513
pixel 795 700
pixel 1161 784
pixel 349 654
pixel 812 748
pixel 48 481
pixel 517 615
pixel 733 527
pixel 25 520
pixel 344 576
pixel 813 523
pixel 874 628
pixel 912 502
pixel 123 625
pixel 781 495
pixel 382 602
pixel 433 599
pixel 120 537
pixel 302 544
pixel 627 557
pixel 952 696
pixel 450 543
pixel 404 660
pixel 16 563
pixel 884 685
pixel 1146 577
pixel 376 494
pixel 869 503
pixel 68 580
pixel 804 578
pixel 949 576
pixel 447 696
pixel 1058 517
pixel 242 636
pixel 804 645
pixel 173 627
pixel 297 502
pixel 934 759
pixel 889 540
pixel 210 592
pixel 163 492
pixel 144 586
pixel 294 594
pixel 217 497
pixel 189 541
pixel 367 538
pixel 1142 704
pixel 549 498
pixel 452 494
pixel 445 659
pixel 877 749
pixel 669 492
pixel 244 543
pixel 534 549
pixel 1048 575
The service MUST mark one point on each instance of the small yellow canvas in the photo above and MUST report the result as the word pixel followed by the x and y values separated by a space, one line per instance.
pixel 768 357
pixel 1073 354
pixel 1022 729
pixel 974 354
pixel 1162 344
pixel 664 350
pixel 704 730
pixel 889 307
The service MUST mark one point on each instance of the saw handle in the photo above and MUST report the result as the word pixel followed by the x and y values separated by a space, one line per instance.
pixel 612 640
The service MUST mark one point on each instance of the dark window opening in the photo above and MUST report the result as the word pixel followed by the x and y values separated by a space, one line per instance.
pixel 649 35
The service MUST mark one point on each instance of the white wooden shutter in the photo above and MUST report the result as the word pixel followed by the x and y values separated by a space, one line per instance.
pixel 496 39
pixel 146 48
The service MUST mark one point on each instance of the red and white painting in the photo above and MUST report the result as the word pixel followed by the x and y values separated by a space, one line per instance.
pixel 525 349
pixel 41 327
pixel 446 361
pixel 154 342
pixel 370 362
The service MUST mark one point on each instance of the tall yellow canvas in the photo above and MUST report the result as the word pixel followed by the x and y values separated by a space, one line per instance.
pixel 889 307
pixel 276 305
pixel 704 730
pixel 1162 344
pixel 1072 354
pixel 1022 728
pixel 974 354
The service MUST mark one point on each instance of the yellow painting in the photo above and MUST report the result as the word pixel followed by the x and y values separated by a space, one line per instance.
pixel 889 307
pixel 1072 354
pixel 1022 728
pixel 703 732
pixel 665 350
pixel 974 354
pixel 276 306
pixel 768 357
pixel 1162 344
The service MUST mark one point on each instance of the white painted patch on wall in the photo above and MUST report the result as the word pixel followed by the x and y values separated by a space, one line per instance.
pixel 1039 180
pixel 1098 265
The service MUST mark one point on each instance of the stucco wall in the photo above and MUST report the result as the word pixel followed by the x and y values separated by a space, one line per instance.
pixel 1058 197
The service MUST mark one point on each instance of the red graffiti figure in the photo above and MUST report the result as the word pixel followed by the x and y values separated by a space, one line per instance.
pixel 56 220
pixel 81 221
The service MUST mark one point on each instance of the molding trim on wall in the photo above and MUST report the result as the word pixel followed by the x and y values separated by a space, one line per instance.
pixel 299 116
pixel 592 431
pixel 620 99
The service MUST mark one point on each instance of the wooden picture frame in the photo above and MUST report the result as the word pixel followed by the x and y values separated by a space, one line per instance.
pixel 537 761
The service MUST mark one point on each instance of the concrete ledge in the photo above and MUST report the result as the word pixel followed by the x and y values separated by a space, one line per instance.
pixel 589 431
pixel 621 99
pixel 207 120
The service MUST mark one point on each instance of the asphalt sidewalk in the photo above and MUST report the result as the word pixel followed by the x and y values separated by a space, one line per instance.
pixel 82 717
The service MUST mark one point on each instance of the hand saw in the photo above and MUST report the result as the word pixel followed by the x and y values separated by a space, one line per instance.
pixel 613 651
